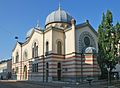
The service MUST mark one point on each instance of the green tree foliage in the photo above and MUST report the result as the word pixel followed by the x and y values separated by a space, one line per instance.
pixel 108 39
pixel 117 32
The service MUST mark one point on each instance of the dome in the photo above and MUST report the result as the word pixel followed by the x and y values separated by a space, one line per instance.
pixel 90 50
pixel 31 30
pixel 29 33
pixel 58 16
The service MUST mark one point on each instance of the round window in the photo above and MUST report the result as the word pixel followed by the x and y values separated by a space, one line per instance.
pixel 87 41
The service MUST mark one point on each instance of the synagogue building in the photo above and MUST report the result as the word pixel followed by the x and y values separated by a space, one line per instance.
pixel 62 51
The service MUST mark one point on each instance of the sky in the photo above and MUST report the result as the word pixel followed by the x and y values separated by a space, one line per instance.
pixel 19 16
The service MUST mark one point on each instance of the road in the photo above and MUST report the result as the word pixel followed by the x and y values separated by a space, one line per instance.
pixel 23 84
pixel 14 84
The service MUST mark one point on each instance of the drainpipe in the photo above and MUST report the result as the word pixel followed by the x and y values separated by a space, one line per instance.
pixel 43 57
pixel 21 64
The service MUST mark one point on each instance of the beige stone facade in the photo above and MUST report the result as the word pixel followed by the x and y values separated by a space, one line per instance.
pixel 63 51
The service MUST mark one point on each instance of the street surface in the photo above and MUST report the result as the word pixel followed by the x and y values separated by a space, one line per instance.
pixel 24 84
pixel 14 84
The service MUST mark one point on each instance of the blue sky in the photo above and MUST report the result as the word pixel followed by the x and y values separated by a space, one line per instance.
pixel 18 16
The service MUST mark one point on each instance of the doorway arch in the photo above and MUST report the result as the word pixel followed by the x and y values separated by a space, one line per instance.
pixel 59 71
pixel 25 72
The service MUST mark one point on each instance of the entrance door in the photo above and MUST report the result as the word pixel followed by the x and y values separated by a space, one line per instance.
pixel 25 72
pixel 47 71
pixel 47 75
pixel 59 71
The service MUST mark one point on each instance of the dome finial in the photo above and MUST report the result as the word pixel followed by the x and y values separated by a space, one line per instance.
pixel 38 23
pixel 59 5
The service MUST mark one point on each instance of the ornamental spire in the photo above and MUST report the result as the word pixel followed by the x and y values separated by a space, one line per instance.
pixel 59 5
pixel 38 24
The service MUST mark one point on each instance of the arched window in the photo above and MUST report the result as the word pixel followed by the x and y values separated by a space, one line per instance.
pixel 59 66
pixel 25 55
pixel 47 47
pixel 13 60
pixel 35 50
pixel 16 70
pixel 59 47
pixel 13 70
pixel 17 57
pixel 47 65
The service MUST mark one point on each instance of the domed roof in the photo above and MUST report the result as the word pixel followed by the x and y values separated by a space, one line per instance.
pixel 58 16
pixel 90 50
pixel 29 33
pixel 31 30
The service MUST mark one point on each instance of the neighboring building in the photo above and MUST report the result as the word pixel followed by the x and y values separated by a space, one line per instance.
pixel 116 70
pixel 6 69
pixel 63 51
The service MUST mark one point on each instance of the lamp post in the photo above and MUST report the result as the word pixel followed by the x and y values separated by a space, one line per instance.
pixel 108 69
pixel 43 69
pixel 33 59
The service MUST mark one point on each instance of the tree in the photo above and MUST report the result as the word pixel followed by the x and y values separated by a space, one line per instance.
pixel 117 32
pixel 108 38
pixel 101 45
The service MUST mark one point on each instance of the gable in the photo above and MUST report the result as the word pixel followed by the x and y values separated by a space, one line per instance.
pixel 18 44
pixel 86 24
pixel 82 31
pixel 32 35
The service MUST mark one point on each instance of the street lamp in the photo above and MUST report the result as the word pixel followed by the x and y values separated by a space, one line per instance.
pixel 33 60
pixel 108 69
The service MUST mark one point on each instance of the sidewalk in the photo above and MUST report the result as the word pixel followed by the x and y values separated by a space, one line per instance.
pixel 8 80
